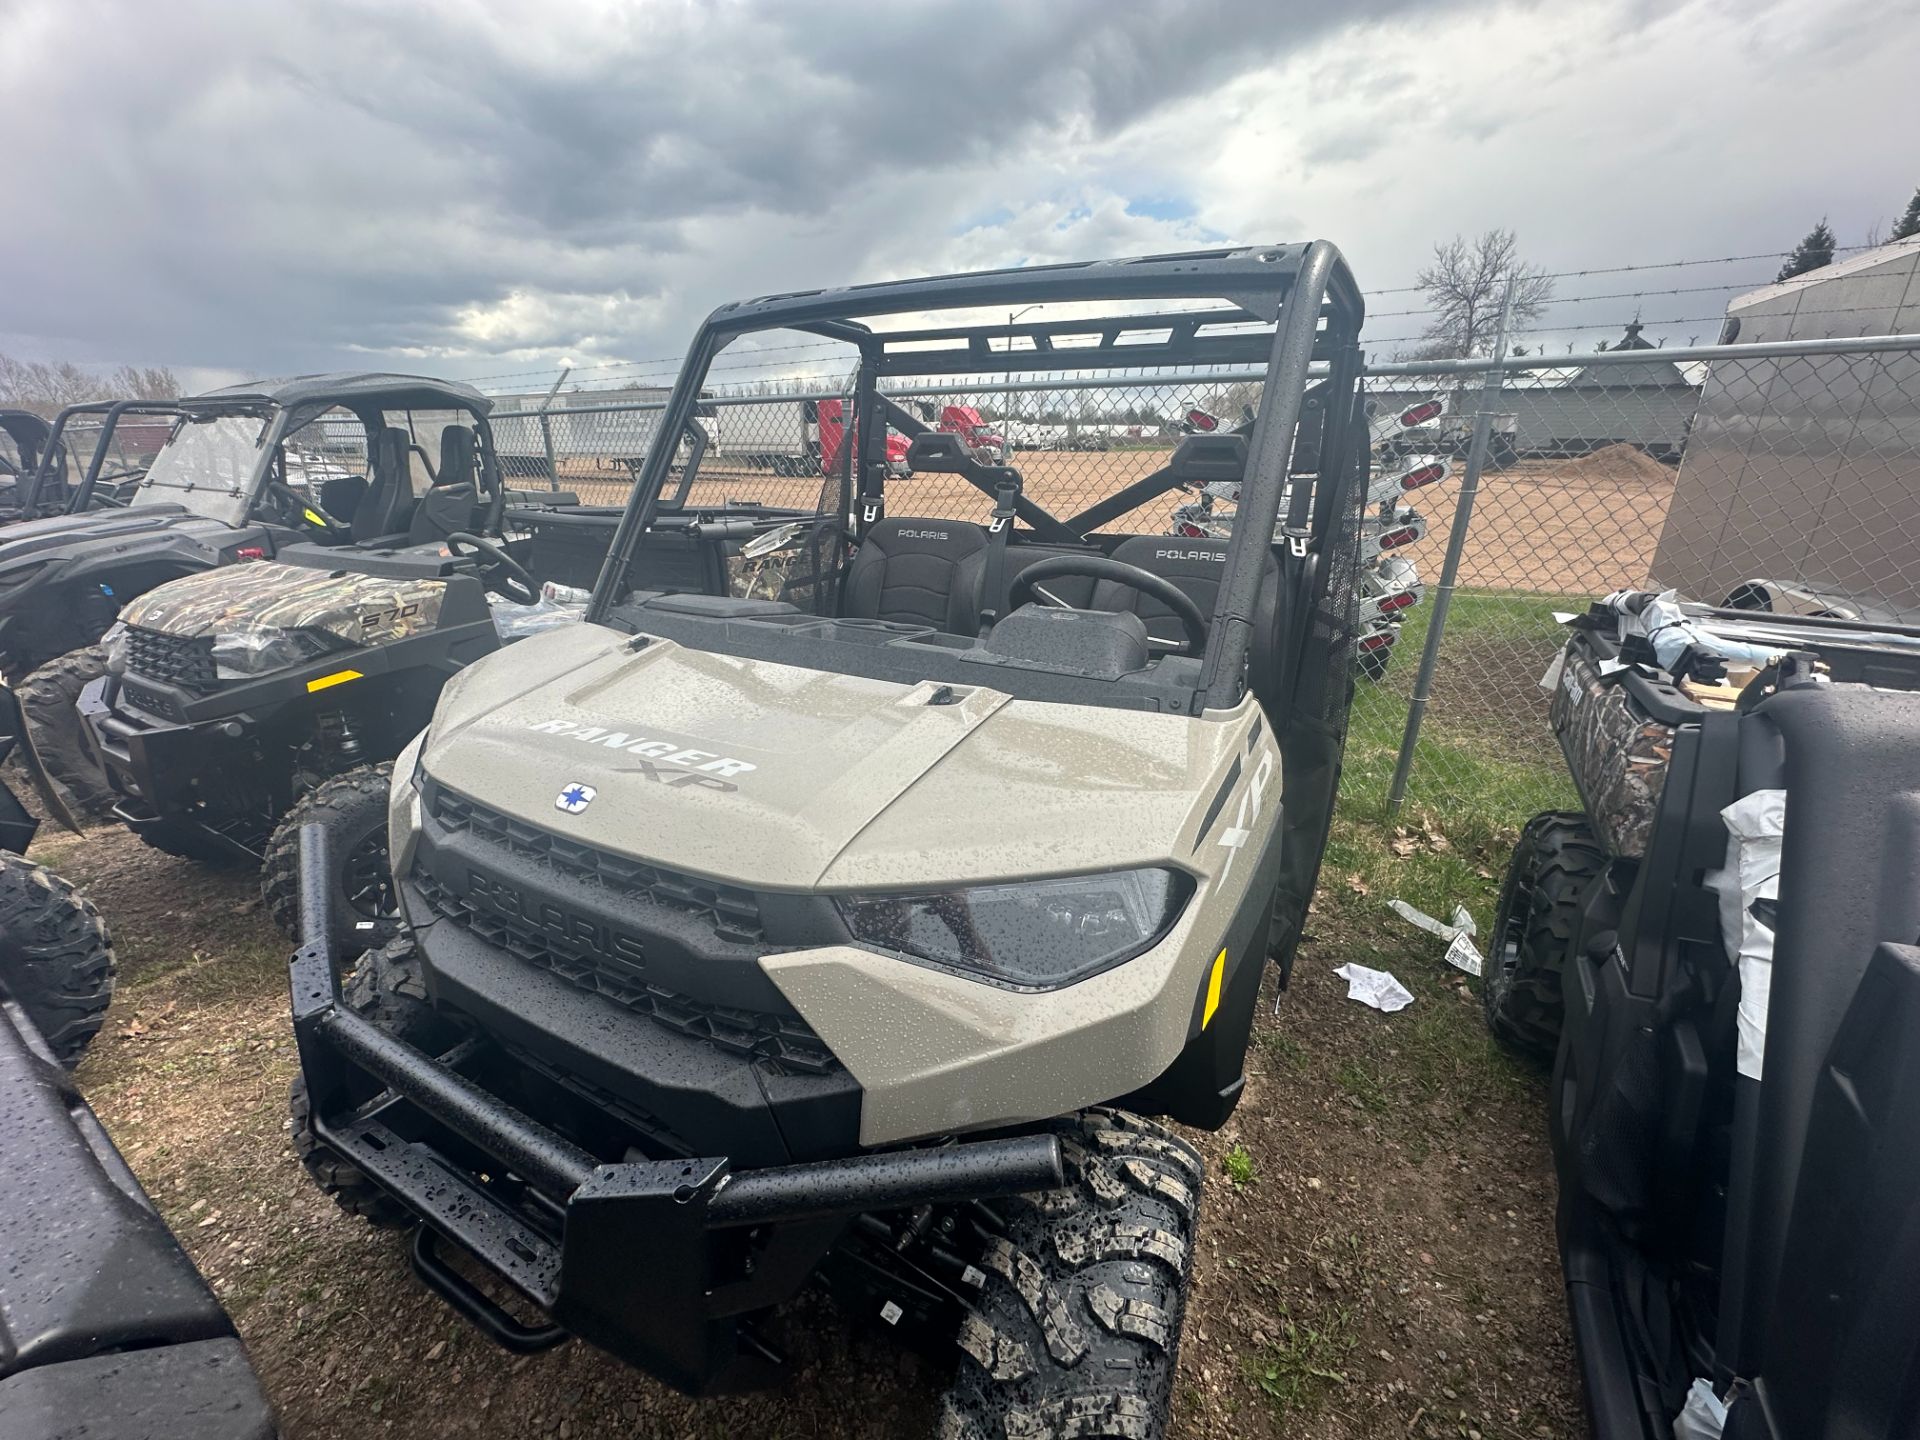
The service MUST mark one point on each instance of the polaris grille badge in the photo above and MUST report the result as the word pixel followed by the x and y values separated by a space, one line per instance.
pixel 575 798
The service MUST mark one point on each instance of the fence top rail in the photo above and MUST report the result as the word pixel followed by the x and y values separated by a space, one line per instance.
pixel 1775 349
pixel 1757 350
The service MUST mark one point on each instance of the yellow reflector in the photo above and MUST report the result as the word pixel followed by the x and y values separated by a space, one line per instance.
pixel 340 677
pixel 1213 989
pixel 314 517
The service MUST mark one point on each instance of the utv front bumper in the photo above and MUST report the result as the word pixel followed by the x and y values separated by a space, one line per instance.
pixel 154 764
pixel 658 1262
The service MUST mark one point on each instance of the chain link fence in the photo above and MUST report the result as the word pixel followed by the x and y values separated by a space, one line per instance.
pixel 1783 475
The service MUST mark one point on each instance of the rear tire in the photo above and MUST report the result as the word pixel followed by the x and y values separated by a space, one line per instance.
pixel 353 810
pixel 49 698
pixel 1554 864
pixel 1076 1332
pixel 387 990
pixel 56 957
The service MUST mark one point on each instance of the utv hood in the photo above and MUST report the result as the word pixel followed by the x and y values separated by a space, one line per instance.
pixel 31 540
pixel 353 608
pixel 776 777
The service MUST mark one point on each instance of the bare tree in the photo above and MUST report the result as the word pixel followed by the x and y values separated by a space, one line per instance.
pixel 48 386
pixel 143 382
pixel 1466 285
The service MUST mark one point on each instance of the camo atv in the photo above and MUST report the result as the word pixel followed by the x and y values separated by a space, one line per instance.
pixel 231 483
pixel 245 703
pixel 863 932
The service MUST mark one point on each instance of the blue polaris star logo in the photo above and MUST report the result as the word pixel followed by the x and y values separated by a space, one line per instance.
pixel 575 798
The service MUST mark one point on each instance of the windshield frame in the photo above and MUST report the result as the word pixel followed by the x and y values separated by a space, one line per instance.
pixel 238 500
pixel 1304 292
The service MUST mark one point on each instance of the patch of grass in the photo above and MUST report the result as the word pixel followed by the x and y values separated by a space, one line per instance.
pixel 1484 738
pixel 1297 1371
pixel 1363 1083
pixel 1284 1050
pixel 1238 1163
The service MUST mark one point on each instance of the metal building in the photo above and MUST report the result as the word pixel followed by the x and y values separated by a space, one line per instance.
pixel 1805 470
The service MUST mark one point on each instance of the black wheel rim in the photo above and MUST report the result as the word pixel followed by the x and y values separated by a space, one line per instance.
pixel 367 880
pixel 1515 910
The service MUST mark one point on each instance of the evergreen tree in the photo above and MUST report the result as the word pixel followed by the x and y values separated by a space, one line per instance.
pixel 1811 253
pixel 1909 223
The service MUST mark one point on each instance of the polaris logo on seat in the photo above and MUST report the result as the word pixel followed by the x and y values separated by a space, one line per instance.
pixel 695 767
pixel 1216 555
pixel 925 534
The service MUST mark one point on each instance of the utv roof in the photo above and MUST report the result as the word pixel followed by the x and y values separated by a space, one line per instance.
pixel 26 428
pixel 350 388
pixel 1254 281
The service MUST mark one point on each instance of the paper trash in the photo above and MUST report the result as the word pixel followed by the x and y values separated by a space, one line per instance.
pixel 1374 987
pixel 1462 954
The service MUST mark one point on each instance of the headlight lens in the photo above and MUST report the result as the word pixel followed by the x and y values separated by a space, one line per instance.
pixel 245 654
pixel 1036 934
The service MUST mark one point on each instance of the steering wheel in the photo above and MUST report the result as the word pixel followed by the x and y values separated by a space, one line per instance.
pixel 499 571
pixel 297 510
pixel 1099 567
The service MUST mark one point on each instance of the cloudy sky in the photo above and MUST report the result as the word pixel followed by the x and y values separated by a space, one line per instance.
pixel 488 189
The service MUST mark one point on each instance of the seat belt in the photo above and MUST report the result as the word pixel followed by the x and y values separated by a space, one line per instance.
pixel 872 501
pixel 1006 501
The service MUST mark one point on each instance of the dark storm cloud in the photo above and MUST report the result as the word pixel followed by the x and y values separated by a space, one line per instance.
pixel 266 186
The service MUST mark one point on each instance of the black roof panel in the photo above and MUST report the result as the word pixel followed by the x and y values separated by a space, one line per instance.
pixel 350 388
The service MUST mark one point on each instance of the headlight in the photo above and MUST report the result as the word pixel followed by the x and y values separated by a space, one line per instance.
pixel 1036 934
pixel 246 654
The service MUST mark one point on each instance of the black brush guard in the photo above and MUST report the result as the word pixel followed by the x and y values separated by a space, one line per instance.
pixel 635 1270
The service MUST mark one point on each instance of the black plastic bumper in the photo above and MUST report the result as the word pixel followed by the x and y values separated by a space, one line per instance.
pixel 151 763
pixel 106 1329
pixel 655 1261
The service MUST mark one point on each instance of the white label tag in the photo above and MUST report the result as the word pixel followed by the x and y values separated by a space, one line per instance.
pixel 973 1277
pixel 891 1313
pixel 1462 955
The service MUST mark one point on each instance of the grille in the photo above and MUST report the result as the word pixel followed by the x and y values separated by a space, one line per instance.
pixel 779 1039
pixel 734 913
pixel 183 660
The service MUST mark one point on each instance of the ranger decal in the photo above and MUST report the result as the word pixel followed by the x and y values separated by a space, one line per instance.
pixel 666 752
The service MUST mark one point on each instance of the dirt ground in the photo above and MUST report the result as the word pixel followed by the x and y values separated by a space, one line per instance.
pixel 1376 1254
pixel 1579 526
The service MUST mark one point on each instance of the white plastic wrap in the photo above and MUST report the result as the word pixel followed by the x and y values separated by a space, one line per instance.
pixel 515 622
pixel 1703 1417
pixel 1670 630
pixel 1755 824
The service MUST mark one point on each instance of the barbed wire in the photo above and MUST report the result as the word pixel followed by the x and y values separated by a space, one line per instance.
pixel 666 367
pixel 1625 269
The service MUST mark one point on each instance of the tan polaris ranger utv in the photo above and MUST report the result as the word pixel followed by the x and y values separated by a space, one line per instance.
pixel 858 932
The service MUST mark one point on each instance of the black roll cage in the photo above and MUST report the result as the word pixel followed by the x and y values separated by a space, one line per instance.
pixel 1304 292
pixel 52 458
pixel 367 408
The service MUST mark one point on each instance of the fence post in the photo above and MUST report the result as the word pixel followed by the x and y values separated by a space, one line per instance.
pixel 1450 568
pixel 546 428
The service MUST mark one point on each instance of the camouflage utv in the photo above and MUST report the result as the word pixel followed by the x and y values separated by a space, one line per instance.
pixel 236 475
pixel 1715 952
pixel 238 705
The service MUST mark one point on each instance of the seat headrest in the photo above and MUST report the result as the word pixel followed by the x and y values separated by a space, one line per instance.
pixel 938 452
pixel 389 455
pixel 456 456
pixel 1209 459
